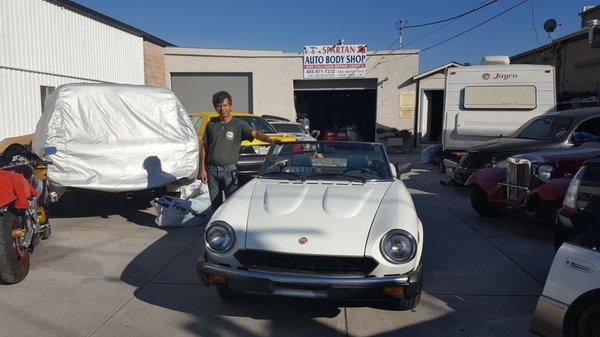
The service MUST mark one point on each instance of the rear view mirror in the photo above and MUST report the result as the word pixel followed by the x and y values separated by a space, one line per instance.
pixel 402 168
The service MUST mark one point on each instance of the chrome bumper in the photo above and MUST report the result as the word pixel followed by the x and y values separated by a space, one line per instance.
pixel 548 318
pixel 316 287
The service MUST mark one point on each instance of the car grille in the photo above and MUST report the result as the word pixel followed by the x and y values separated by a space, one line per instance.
pixel 517 178
pixel 473 161
pixel 306 264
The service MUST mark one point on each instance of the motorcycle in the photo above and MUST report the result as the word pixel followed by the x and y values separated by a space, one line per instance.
pixel 24 200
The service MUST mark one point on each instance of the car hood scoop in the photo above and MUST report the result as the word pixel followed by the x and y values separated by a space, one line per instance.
pixel 330 218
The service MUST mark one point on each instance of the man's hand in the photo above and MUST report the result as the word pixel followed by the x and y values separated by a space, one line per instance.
pixel 203 175
pixel 262 137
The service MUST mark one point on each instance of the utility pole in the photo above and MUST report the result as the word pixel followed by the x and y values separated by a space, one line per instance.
pixel 400 24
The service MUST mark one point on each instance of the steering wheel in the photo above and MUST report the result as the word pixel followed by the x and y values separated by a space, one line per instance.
pixel 362 170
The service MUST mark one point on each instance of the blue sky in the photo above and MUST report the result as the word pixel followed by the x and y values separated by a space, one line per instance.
pixel 290 25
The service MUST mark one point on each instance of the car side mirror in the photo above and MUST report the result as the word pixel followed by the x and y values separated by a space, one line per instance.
pixel 315 133
pixel 403 168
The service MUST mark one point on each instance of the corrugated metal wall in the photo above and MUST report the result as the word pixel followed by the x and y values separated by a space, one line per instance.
pixel 42 44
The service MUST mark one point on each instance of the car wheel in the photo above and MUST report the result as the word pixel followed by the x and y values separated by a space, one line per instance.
pixel 407 303
pixel 588 324
pixel 225 293
pixel 480 203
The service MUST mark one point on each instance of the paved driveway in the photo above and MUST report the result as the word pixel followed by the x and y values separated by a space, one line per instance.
pixel 108 271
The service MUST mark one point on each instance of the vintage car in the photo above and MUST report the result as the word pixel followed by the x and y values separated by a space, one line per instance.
pixel 534 182
pixel 252 154
pixel 555 130
pixel 327 221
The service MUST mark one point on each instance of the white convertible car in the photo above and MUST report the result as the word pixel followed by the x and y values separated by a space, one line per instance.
pixel 324 220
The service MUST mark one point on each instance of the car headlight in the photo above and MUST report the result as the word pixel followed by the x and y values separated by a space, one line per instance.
pixel 219 236
pixel 544 172
pixel 398 246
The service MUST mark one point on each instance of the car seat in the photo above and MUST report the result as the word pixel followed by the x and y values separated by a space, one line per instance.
pixel 300 163
pixel 357 161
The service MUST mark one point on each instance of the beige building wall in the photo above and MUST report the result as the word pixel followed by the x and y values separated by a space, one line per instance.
pixel 154 64
pixel 577 65
pixel 273 75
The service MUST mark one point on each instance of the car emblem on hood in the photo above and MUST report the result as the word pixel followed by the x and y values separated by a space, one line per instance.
pixel 302 240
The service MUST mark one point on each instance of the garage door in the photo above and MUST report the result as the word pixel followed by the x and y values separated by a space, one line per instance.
pixel 195 90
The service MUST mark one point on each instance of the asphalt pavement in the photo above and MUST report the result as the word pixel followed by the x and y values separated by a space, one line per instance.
pixel 108 270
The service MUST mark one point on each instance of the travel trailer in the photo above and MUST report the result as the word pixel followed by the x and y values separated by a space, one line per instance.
pixel 493 100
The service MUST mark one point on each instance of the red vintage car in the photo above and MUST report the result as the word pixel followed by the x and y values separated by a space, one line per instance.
pixel 534 182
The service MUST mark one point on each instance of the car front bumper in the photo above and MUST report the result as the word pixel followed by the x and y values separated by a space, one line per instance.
pixel 457 173
pixel 314 287
pixel 548 318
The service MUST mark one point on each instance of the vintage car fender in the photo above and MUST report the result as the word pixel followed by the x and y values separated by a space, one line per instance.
pixel 488 179
pixel 396 211
pixel 553 190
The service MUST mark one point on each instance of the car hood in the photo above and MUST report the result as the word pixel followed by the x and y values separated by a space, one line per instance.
pixel 513 145
pixel 333 217
pixel 570 154
pixel 276 136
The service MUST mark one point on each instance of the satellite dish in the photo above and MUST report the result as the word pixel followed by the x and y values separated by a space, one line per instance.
pixel 550 25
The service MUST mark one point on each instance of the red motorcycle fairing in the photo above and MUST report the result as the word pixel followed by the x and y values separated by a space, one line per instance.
pixel 13 187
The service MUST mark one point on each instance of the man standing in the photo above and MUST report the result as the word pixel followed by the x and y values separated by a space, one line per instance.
pixel 220 149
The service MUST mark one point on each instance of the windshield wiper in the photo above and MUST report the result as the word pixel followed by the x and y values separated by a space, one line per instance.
pixel 338 175
pixel 296 176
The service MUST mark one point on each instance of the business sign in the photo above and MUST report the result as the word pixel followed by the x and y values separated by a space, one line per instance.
pixel 335 61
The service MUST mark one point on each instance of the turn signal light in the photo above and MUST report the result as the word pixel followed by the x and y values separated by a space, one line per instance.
pixel 393 291
pixel 216 279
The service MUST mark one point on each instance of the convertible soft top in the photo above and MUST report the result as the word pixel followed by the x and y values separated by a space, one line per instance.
pixel 116 138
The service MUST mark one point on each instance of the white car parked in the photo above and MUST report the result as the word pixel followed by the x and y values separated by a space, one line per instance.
pixel 326 221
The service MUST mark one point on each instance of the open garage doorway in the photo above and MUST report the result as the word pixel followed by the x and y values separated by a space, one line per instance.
pixel 339 104
pixel 435 114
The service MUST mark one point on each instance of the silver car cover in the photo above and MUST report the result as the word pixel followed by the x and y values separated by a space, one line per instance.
pixel 116 138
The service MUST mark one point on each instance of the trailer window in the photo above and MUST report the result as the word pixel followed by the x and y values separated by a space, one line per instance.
pixel 500 97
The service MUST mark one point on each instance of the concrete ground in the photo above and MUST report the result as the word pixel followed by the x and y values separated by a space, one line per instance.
pixel 109 271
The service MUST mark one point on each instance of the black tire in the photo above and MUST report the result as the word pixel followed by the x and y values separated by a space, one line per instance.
pixel 588 323
pixel 480 203
pixel 225 293
pixel 14 267
pixel 408 303
pixel 46 232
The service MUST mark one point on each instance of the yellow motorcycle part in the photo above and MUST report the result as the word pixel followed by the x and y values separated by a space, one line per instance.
pixel 41 215
pixel 41 171
pixel 18 234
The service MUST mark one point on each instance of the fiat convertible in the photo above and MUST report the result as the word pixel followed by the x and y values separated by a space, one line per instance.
pixel 323 220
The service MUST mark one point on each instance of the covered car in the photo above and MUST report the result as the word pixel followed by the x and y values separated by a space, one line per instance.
pixel 325 221
pixel 116 138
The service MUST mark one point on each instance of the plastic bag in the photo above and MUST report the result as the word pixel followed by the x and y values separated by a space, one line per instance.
pixel 193 190
pixel 177 212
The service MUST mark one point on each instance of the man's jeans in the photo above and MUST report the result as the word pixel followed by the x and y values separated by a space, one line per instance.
pixel 221 179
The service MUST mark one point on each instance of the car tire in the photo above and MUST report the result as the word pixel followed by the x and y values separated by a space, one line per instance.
pixel 225 293
pixel 480 203
pixel 588 323
pixel 407 303
pixel 13 267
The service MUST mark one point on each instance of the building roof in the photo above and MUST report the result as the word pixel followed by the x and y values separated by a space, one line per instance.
pixel 435 70
pixel 568 37
pixel 92 14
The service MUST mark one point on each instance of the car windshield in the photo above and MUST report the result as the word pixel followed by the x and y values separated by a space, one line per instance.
pixel 289 128
pixel 545 128
pixel 349 161
pixel 256 122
